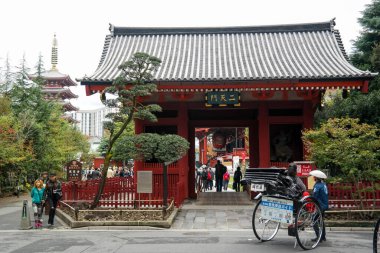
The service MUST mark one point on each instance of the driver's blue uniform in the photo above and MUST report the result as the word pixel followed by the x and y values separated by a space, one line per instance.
pixel 320 193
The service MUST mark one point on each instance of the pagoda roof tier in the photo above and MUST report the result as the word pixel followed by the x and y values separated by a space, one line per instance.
pixel 303 52
pixel 64 93
pixel 54 77
pixel 69 107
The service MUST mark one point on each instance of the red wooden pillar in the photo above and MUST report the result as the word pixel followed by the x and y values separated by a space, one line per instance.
pixel 254 145
pixel 264 144
pixel 203 150
pixel 191 155
pixel 183 163
pixel 308 116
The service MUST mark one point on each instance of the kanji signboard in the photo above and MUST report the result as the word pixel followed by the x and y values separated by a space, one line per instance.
pixel 275 209
pixel 74 171
pixel 222 98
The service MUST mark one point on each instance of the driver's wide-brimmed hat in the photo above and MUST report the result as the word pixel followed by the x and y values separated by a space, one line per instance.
pixel 318 174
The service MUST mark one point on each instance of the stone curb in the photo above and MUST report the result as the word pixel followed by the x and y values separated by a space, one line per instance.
pixel 80 224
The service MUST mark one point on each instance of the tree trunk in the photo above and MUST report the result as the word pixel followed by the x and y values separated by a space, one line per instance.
pixel 102 180
pixel 165 186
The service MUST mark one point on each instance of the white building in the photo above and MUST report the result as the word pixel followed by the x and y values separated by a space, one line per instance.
pixel 90 123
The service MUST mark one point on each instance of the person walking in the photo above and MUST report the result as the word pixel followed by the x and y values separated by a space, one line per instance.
pixel 204 178
pixel 320 193
pixel 37 195
pixel 237 178
pixel 226 180
pixel 220 169
pixel 53 194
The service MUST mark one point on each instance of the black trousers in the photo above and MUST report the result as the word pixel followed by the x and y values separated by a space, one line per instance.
pixel 316 228
pixel 219 184
pixel 52 205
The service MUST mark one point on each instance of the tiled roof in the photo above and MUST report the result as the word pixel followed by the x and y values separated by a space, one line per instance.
pixel 62 92
pixel 54 76
pixel 282 52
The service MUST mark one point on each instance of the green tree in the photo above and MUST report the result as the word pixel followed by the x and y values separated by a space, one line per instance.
pixel 349 149
pixel 366 56
pixel 165 149
pixel 132 85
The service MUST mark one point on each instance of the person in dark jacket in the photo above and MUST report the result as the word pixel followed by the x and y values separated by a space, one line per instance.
pixel 320 193
pixel 237 178
pixel 292 173
pixel 53 193
pixel 220 169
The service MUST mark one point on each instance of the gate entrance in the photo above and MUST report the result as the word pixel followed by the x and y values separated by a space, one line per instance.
pixel 229 146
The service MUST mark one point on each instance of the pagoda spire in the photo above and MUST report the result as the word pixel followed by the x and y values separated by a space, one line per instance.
pixel 54 54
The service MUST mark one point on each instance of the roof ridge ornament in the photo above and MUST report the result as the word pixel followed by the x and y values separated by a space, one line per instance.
pixel 54 53
pixel 332 23
pixel 111 28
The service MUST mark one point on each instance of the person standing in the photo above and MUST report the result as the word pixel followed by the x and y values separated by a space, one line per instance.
pixel 204 178
pixel 226 180
pixel 53 195
pixel 37 195
pixel 320 193
pixel 220 169
pixel 110 172
pixel 237 178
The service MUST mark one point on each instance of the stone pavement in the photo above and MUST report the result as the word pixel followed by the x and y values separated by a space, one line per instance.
pixel 10 213
pixel 200 217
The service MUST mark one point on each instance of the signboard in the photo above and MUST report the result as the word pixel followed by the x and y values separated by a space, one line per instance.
pixel 222 98
pixel 74 171
pixel 304 168
pixel 144 182
pixel 275 209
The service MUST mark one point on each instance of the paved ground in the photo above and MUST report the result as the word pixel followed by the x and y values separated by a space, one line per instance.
pixel 33 241
pixel 196 229
pixel 10 213
pixel 193 216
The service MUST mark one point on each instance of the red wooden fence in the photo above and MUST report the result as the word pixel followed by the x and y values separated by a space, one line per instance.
pixel 121 192
pixel 347 195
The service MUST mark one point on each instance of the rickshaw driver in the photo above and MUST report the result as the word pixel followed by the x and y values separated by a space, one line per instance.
pixel 320 193
pixel 292 173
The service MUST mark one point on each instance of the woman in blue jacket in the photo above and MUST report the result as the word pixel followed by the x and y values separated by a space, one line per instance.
pixel 37 195
pixel 320 193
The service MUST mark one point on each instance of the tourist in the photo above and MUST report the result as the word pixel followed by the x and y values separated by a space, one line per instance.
pixel 237 178
pixel 320 193
pixel 53 193
pixel 89 173
pixel 226 180
pixel 96 174
pixel 110 172
pixel 210 178
pixel 37 195
pixel 220 169
pixel 204 177
pixel 44 177
pixel 292 173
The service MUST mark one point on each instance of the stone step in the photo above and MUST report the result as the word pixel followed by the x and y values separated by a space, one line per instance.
pixel 223 198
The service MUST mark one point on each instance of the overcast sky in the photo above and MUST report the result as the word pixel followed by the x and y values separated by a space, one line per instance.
pixel 28 26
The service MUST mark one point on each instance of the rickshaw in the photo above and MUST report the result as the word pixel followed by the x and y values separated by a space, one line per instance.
pixel 281 202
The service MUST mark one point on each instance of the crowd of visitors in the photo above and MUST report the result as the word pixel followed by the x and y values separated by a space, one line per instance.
pixel 219 177
pixel 96 173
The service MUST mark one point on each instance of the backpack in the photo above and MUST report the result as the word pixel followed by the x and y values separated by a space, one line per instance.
pixel 226 176
pixel 209 175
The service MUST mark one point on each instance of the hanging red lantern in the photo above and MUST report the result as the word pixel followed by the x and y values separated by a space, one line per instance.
pixel 218 140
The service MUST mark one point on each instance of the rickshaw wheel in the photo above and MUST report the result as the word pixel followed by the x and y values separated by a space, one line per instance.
pixel 264 230
pixel 309 224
